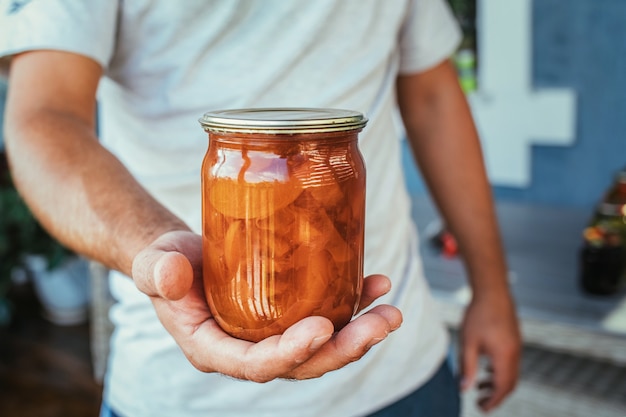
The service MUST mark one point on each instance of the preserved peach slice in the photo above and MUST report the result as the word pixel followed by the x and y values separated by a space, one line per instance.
pixel 233 247
pixel 251 200
pixel 316 230
pixel 328 195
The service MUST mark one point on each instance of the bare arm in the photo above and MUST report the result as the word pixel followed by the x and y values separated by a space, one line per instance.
pixel 447 149
pixel 89 200
pixel 76 188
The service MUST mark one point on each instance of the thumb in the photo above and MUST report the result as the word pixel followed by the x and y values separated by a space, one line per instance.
pixel 164 274
pixel 469 365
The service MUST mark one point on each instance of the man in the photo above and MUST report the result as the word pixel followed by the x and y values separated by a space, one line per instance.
pixel 130 198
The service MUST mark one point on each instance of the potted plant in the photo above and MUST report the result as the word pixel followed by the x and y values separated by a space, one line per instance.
pixel 24 244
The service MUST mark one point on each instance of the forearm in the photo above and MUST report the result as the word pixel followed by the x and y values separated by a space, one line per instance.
pixel 447 149
pixel 79 191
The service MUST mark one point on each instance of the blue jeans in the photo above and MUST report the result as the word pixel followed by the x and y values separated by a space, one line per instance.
pixel 438 397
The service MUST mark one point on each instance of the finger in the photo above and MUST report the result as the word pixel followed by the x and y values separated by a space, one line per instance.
pixel 469 364
pixel 271 358
pixel 159 273
pixel 374 286
pixel 483 402
pixel 504 377
pixel 173 275
pixel 351 342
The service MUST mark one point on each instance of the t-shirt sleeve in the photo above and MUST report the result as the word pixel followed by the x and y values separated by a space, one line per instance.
pixel 85 27
pixel 430 35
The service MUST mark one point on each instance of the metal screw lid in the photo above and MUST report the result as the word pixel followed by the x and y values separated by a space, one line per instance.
pixel 282 120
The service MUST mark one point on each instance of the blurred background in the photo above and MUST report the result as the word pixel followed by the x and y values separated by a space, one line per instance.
pixel 574 51
pixel 545 81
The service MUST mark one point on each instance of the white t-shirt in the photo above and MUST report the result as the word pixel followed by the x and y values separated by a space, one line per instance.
pixel 166 63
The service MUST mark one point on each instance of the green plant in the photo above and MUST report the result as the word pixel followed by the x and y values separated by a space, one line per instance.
pixel 21 234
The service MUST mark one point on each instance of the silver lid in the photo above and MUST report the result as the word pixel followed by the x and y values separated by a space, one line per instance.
pixel 282 120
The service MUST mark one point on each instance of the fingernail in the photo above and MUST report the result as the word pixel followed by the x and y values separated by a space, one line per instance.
pixel 319 341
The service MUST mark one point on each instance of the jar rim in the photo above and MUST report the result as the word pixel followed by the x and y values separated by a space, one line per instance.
pixel 282 120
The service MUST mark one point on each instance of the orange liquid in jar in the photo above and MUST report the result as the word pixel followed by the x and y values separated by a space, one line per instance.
pixel 283 234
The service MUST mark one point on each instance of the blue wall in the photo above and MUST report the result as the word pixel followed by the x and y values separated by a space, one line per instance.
pixel 579 44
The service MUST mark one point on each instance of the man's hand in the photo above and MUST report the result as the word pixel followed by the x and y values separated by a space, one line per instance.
pixel 490 328
pixel 170 272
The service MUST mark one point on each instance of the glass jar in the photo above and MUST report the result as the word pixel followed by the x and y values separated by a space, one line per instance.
pixel 603 254
pixel 283 206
